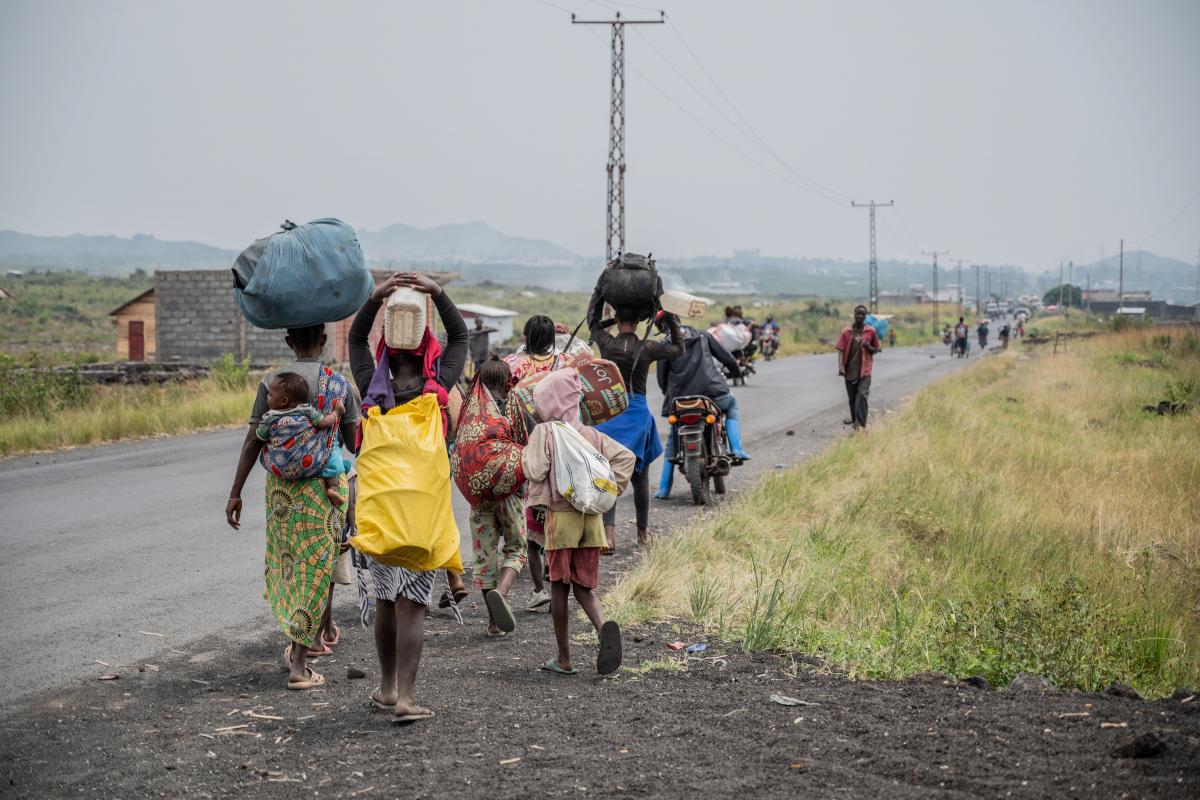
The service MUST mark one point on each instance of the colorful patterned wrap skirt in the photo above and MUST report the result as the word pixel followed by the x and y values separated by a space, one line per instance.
pixel 304 532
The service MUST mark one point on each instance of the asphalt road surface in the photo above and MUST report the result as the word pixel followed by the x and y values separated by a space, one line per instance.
pixel 107 545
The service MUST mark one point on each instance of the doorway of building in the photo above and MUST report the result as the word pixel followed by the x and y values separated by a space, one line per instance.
pixel 137 340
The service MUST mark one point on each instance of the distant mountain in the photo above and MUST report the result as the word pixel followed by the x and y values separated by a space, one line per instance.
pixel 472 240
pixel 1165 278
pixel 106 253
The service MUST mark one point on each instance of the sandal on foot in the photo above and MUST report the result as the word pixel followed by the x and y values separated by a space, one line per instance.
pixel 378 701
pixel 499 611
pixel 337 637
pixel 553 666
pixel 609 658
pixel 312 679
pixel 456 598
pixel 325 649
pixel 406 719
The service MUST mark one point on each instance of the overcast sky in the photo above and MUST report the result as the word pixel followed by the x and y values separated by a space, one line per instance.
pixel 1021 131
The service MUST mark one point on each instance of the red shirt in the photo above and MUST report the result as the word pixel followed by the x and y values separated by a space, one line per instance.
pixel 870 340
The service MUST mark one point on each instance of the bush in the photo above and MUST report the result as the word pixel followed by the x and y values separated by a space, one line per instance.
pixel 229 373
pixel 28 390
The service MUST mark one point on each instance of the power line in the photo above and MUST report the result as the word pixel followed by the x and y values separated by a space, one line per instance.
pixel 835 195
pixel 1174 219
pixel 873 287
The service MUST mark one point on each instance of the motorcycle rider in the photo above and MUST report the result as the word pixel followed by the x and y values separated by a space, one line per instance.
pixel 983 334
pixel 695 374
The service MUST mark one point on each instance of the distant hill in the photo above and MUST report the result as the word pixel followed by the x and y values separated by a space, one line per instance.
pixel 474 240
pixel 107 254
pixel 1165 278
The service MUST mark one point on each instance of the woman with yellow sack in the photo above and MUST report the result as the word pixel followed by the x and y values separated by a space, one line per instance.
pixel 405 524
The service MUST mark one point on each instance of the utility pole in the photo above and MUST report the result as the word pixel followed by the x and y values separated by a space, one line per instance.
pixel 1088 305
pixel 1060 287
pixel 873 289
pixel 936 299
pixel 1121 279
pixel 1198 276
pixel 978 298
pixel 614 243
pixel 962 309
pixel 1071 280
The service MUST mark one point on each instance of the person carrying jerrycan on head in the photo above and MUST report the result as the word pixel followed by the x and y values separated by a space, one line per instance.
pixel 575 473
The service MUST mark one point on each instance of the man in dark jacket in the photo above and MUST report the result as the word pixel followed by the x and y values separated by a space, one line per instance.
pixel 695 374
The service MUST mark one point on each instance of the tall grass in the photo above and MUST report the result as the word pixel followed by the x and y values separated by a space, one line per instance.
pixel 122 412
pixel 1025 515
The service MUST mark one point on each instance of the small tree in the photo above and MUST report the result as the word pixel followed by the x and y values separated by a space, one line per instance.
pixel 1071 296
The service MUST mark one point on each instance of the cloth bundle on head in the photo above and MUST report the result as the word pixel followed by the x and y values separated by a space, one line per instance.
pixel 556 397
pixel 380 392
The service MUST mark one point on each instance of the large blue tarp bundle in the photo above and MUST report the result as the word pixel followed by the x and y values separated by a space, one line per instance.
pixel 880 325
pixel 302 275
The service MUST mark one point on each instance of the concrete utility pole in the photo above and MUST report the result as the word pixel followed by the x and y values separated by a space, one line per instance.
pixel 979 306
pixel 962 309
pixel 936 299
pixel 1060 286
pixel 1198 276
pixel 614 243
pixel 1088 303
pixel 873 289
pixel 1121 279
pixel 1071 283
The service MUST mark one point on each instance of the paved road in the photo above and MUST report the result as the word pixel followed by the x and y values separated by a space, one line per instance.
pixel 102 543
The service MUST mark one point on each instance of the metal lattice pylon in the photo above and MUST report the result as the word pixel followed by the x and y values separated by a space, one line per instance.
pixel 615 230
pixel 873 288
pixel 614 240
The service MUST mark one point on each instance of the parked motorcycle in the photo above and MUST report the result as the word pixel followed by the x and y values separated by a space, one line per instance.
pixel 701 450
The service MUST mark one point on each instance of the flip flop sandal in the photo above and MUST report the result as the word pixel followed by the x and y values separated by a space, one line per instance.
pixel 456 598
pixel 325 650
pixel 408 719
pixel 377 701
pixel 312 679
pixel 337 637
pixel 500 611
pixel 609 658
pixel 552 666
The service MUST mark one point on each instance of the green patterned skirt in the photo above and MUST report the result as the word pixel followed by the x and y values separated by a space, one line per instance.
pixel 304 532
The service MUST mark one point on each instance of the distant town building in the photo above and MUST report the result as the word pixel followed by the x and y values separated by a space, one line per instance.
pixel 192 316
pixel 498 318
pixel 1113 296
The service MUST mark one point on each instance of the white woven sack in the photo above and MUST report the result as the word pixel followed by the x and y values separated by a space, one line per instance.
pixel 582 474
pixel 732 337
pixel 404 319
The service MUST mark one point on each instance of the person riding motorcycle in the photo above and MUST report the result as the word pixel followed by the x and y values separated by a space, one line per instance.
pixel 695 374
pixel 769 337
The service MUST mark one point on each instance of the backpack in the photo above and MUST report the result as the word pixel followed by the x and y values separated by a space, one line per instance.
pixel 297 448
pixel 631 286
pixel 582 474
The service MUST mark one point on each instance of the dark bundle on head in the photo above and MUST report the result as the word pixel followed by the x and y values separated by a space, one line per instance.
pixel 495 376
pixel 539 335
pixel 293 386
pixel 729 311
pixel 306 338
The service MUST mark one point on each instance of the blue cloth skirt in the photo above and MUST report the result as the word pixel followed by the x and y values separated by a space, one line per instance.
pixel 634 428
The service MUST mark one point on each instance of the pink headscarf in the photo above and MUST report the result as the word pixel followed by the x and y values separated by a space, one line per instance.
pixel 556 397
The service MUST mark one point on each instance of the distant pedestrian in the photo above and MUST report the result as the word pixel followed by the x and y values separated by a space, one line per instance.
pixel 891 335
pixel 856 348
pixel 1005 332
pixel 480 337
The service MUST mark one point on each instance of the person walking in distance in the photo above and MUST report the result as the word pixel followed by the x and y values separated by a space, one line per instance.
pixel 478 343
pixel 856 348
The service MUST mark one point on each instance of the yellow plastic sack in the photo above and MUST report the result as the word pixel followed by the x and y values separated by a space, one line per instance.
pixel 404 516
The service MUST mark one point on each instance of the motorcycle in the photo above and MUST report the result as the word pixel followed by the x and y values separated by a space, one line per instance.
pixel 769 343
pixel 702 450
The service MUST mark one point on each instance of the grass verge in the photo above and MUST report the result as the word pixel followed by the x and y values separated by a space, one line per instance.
pixel 1025 515
pixel 110 413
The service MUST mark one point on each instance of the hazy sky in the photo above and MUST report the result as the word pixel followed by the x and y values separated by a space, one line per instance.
pixel 1021 131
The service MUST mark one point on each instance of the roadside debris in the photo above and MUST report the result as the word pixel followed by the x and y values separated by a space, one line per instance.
pixel 698 647
pixel 112 676
pixel 784 700
pixel 676 645
pixel 504 762
pixel 151 633
pixel 354 673
pixel 1108 725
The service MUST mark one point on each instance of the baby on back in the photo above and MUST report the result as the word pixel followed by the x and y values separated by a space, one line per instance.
pixel 287 397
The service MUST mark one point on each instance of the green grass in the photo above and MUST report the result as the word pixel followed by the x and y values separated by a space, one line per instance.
pixel 1022 516
pixel 62 317
pixel 111 413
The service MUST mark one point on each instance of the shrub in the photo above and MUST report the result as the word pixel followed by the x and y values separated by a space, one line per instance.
pixel 229 373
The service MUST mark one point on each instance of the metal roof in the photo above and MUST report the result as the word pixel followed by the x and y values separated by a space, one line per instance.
pixel 480 310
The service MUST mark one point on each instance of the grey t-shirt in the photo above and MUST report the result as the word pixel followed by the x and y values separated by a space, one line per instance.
pixel 310 370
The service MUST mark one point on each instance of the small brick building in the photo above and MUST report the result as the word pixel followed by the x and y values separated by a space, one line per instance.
pixel 192 316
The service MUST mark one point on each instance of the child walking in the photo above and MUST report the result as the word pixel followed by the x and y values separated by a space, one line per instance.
pixel 573 539
pixel 482 423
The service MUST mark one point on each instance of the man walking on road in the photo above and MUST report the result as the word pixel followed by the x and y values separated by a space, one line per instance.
pixel 856 348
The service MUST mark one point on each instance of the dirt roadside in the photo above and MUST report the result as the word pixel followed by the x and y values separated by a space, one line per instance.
pixel 213 719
